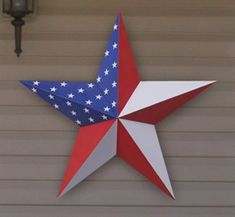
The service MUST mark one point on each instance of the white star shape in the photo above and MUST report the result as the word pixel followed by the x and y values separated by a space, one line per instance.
pixel 91 120
pixel 106 72
pixel 78 122
pixel 68 103
pixel 70 96
pixel 115 27
pixel 80 90
pixel 51 96
pixel 114 104
pixel 106 53
pixel 56 106
pixel 73 113
pixel 53 89
pixel 63 84
pixel 104 117
pixel 98 97
pixel 90 85
pixel 34 90
pixel 36 83
pixel 114 64
pixel 106 109
pixel 114 84
pixel 115 45
pixel 106 91
pixel 86 110
pixel 88 102
pixel 98 79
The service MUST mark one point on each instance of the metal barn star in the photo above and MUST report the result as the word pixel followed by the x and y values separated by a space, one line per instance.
pixel 117 114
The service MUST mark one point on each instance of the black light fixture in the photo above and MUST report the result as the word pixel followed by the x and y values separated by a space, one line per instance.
pixel 18 9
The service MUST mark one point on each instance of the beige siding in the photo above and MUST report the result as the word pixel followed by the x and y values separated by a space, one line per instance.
pixel 172 40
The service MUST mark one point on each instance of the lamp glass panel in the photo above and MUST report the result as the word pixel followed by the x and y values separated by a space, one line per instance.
pixel 30 5
pixel 19 5
pixel 6 5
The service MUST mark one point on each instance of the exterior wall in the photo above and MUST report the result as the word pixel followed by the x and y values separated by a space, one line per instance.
pixel 172 40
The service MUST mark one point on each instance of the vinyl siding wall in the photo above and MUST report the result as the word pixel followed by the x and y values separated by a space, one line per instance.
pixel 172 40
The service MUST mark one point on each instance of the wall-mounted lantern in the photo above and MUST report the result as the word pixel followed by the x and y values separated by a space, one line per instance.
pixel 18 9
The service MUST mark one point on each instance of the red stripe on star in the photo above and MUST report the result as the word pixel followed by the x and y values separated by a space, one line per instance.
pixel 155 113
pixel 129 152
pixel 128 74
pixel 87 139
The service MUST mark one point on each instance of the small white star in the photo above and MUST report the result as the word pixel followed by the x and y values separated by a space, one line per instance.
pixel 86 110
pixel 115 27
pixel 114 45
pixel 98 97
pixel 104 117
pixel 91 120
pixel 69 103
pixel 53 89
pixel 51 96
pixel 114 64
pixel 98 80
pixel 56 106
pixel 88 102
pixel 114 84
pixel 80 90
pixel 114 104
pixel 73 113
pixel 106 72
pixel 63 84
pixel 106 109
pixel 78 122
pixel 34 90
pixel 70 95
pixel 106 91
pixel 106 53
pixel 36 83
pixel 90 85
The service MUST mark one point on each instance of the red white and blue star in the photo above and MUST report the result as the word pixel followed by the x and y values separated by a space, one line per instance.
pixel 117 114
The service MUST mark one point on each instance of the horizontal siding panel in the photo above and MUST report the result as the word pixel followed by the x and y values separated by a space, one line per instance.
pixel 140 48
pixel 178 7
pixel 180 169
pixel 105 211
pixel 80 24
pixel 117 193
pixel 42 143
pixel 170 61
pixel 186 119
pixel 219 95
pixel 133 35
pixel 75 72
